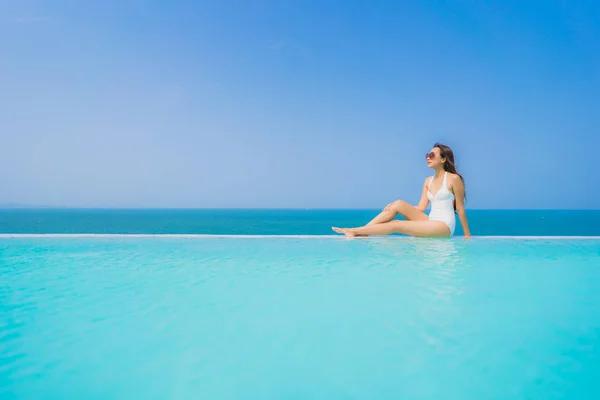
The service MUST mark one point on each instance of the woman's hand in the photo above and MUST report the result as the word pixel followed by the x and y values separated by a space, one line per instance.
pixel 388 207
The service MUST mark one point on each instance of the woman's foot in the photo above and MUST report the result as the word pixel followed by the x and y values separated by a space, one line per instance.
pixel 346 231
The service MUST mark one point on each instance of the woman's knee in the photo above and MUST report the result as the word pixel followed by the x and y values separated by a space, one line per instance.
pixel 400 205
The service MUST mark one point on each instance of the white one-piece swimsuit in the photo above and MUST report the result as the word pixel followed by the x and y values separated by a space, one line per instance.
pixel 442 205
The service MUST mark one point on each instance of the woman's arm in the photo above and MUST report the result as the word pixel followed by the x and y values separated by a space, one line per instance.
pixel 424 202
pixel 459 195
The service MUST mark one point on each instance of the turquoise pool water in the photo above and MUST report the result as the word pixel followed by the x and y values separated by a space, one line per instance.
pixel 299 318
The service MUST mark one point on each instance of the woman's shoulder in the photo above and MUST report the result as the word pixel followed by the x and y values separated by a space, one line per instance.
pixel 454 177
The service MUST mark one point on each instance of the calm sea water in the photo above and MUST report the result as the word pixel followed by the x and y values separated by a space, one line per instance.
pixel 279 222
pixel 297 318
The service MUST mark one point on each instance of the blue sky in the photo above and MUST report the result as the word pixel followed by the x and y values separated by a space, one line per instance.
pixel 139 103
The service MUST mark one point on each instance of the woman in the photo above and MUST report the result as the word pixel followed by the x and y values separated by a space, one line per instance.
pixel 445 190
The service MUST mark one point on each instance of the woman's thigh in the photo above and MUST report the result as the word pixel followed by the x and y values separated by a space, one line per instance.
pixel 409 211
pixel 423 228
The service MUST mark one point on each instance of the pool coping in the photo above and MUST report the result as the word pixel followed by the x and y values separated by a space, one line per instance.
pixel 233 236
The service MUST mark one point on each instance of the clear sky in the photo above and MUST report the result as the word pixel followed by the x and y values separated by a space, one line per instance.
pixel 147 103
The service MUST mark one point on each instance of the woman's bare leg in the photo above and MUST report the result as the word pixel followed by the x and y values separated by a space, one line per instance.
pixel 420 228
pixel 401 207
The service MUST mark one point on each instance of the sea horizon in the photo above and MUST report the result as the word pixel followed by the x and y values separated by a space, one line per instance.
pixel 277 221
pixel 26 207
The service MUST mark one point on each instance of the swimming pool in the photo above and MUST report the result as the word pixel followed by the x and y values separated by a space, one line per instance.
pixel 299 317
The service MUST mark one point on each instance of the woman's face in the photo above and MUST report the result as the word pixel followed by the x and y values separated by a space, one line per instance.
pixel 434 158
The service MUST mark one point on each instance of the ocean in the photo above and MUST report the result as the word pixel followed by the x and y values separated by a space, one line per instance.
pixel 278 221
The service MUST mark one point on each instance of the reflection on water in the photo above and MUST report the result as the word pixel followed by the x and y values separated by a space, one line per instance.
pixel 434 266
pixel 439 249
pixel 432 271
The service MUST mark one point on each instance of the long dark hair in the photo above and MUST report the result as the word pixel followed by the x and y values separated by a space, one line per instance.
pixel 449 166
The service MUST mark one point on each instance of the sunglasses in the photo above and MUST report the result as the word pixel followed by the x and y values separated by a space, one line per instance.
pixel 430 155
